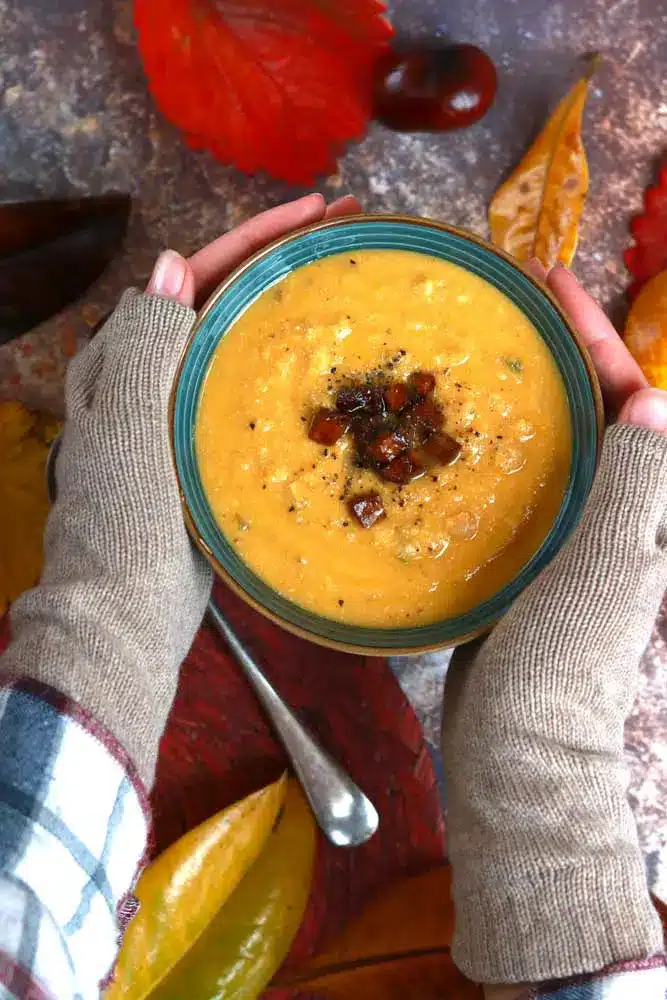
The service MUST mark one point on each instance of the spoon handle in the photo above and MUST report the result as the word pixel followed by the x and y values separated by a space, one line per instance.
pixel 345 815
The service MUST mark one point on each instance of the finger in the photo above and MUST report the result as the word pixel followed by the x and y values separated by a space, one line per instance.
pixel 620 375
pixel 347 205
pixel 172 278
pixel 647 408
pixel 215 261
pixel 536 268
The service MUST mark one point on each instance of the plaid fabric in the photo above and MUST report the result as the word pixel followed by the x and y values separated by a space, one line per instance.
pixel 73 832
pixel 634 981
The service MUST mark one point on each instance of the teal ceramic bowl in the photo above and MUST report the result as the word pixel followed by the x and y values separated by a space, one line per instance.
pixel 386 232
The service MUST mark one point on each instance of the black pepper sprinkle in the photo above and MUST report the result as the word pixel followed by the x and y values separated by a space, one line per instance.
pixel 334 370
pixel 264 486
pixel 292 509
pixel 303 420
pixel 434 478
pixel 499 437
pixel 252 425
pixel 326 452
pixel 353 261
pixel 346 524
pixel 341 602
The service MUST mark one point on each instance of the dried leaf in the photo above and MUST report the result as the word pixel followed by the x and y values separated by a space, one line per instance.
pixel 24 445
pixel 648 256
pixel 536 212
pixel 646 330
pixel 273 85
pixel 399 947
pixel 181 893
pixel 51 252
pixel 248 940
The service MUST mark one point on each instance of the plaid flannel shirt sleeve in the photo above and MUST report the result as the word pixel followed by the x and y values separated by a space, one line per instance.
pixel 74 826
pixel 643 980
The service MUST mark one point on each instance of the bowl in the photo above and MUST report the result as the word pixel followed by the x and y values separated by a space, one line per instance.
pixel 272 264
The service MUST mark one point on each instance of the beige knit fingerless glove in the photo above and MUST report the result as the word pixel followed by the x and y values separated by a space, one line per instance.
pixel 123 590
pixel 549 879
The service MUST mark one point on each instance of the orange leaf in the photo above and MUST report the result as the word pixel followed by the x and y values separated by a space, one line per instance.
pixel 646 330
pixel 399 947
pixel 536 212
pixel 25 438
pixel 273 85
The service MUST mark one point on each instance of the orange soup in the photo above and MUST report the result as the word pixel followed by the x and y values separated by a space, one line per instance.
pixel 447 539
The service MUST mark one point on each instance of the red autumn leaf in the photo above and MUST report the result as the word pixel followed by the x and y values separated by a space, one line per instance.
pixel 648 256
pixel 273 85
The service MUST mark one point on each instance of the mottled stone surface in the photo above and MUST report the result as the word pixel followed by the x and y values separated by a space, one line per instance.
pixel 76 118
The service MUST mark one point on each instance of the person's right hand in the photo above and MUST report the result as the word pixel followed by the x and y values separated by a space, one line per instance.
pixel 125 590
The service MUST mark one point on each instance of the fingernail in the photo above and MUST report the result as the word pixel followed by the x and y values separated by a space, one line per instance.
pixel 562 269
pixel 536 268
pixel 647 408
pixel 168 274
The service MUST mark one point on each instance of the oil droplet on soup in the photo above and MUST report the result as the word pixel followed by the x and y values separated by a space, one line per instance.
pixel 448 540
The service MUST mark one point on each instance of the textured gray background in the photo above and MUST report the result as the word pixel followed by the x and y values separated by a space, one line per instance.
pixel 76 118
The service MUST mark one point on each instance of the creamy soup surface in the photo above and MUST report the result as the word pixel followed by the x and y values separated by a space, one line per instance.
pixel 450 539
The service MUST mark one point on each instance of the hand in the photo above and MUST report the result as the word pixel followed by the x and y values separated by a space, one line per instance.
pixel 548 876
pixel 626 392
pixel 124 590
pixel 190 281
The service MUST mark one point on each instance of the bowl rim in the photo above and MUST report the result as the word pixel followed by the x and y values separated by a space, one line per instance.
pixel 212 300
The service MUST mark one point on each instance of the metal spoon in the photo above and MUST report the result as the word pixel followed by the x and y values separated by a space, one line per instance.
pixel 345 815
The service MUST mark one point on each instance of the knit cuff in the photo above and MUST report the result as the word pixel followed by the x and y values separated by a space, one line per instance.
pixel 586 917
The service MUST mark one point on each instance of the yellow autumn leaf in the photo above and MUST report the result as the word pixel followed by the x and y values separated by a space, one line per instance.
pixel 536 212
pixel 181 892
pixel 646 330
pixel 24 445
pixel 245 945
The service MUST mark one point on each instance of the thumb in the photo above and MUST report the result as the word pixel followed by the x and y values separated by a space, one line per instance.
pixel 646 408
pixel 172 278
